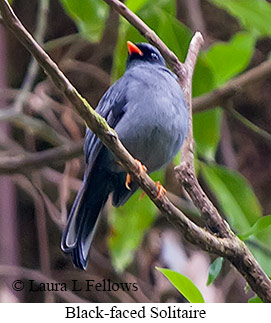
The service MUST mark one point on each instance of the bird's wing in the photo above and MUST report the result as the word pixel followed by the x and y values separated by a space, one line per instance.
pixel 112 107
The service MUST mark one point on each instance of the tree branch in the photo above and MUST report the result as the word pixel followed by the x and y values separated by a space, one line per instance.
pixel 263 134
pixel 229 247
pixel 33 67
pixel 185 171
pixel 219 96
pixel 28 161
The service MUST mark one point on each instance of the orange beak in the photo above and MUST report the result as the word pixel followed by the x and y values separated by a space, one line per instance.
pixel 132 48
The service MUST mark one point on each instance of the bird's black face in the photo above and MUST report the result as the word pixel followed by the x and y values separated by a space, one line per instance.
pixel 143 52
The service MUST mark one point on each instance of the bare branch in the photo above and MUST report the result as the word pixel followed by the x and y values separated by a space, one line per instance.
pixel 33 67
pixel 29 161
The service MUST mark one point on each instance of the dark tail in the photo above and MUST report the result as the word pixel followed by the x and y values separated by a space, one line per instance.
pixel 82 221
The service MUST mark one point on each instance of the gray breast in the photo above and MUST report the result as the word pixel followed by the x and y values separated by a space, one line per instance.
pixel 155 123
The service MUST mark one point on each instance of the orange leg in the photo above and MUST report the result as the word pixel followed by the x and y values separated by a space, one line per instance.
pixel 141 169
pixel 142 195
pixel 161 190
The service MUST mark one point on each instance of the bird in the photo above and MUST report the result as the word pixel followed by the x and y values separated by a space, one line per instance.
pixel 147 109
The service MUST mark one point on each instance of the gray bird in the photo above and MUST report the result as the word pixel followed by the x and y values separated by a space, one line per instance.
pixel 146 107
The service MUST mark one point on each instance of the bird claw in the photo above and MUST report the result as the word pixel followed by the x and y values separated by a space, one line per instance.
pixel 128 182
pixel 161 190
pixel 141 169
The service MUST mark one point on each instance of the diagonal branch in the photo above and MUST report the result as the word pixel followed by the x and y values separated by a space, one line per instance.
pixel 26 162
pixel 229 247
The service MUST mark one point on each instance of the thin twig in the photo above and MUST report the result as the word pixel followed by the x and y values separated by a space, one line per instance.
pixel 27 162
pixel 33 67
pixel 250 125
pixel 40 217
pixel 61 41
pixel 38 128
pixel 82 67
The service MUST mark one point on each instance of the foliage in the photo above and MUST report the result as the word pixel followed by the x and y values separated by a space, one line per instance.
pixel 227 59
pixel 214 270
pixel 88 15
pixel 128 224
pixel 183 284
pixel 254 15
pixel 234 195
pixel 262 224
pixel 255 299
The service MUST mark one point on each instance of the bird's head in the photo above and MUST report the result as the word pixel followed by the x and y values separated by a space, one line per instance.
pixel 143 52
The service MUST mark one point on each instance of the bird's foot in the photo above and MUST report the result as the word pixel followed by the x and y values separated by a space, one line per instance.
pixel 141 169
pixel 161 190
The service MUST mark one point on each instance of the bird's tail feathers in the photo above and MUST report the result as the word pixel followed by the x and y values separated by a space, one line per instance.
pixel 82 221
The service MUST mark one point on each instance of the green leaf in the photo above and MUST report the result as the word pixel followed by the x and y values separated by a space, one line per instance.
pixel 235 196
pixel 89 16
pixel 128 225
pixel 254 15
pixel 228 59
pixel 203 78
pixel 260 245
pixel 255 299
pixel 206 125
pixel 259 226
pixel 262 252
pixel 183 284
pixel 206 128
pixel 214 270
pixel 175 34
pixel 135 5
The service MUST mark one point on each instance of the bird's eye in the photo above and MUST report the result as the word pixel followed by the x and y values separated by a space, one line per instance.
pixel 154 56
